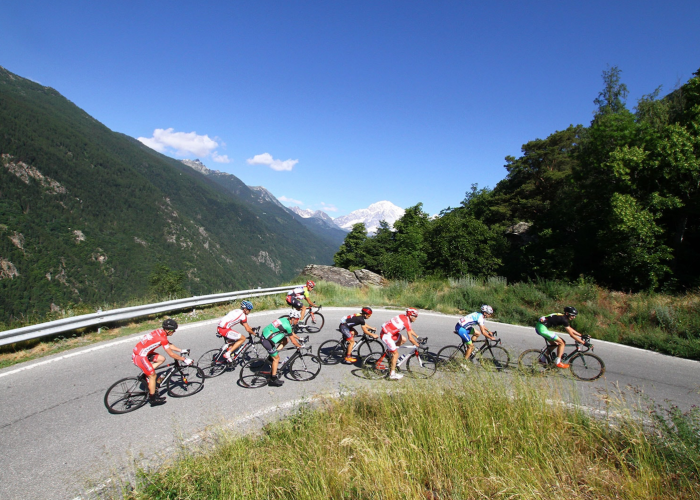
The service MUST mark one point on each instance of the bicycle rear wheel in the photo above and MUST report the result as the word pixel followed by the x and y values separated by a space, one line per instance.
pixel 375 370
pixel 493 358
pixel 529 362
pixel 451 358
pixel 331 352
pixel 186 381
pixel 586 366
pixel 370 347
pixel 422 366
pixel 305 367
pixel 314 324
pixel 125 395
pixel 255 373
pixel 213 363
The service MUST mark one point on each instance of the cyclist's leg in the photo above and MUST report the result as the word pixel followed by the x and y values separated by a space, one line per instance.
pixel 391 349
pixel 237 342
pixel 465 335
pixel 349 337
pixel 552 340
pixel 144 363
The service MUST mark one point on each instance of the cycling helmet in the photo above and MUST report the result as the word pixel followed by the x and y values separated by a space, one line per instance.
pixel 411 312
pixel 486 309
pixel 570 310
pixel 367 311
pixel 170 325
pixel 247 305
pixel 294 314
pixel 310 284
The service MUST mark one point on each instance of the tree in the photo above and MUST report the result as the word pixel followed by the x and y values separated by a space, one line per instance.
pixel 351 253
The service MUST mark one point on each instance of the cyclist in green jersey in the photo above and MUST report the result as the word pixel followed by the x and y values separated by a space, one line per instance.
pixel 562 320
pixel 276 335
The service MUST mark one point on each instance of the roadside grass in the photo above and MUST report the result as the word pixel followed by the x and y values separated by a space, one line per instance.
pixel 480 436
pixel 669 324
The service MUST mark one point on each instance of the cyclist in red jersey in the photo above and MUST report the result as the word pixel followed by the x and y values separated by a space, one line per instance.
pixel 392 338
pixel 145 357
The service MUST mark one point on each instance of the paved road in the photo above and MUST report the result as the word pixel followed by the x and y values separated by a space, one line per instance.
pixel 58 441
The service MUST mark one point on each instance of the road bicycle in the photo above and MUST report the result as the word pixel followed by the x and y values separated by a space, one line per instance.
pixel 332 352
pixel 301 366
pixel 582 364
pixel 131 393
pixel 312 322
pixel 489 354
pixel 420 363
pixel 213 363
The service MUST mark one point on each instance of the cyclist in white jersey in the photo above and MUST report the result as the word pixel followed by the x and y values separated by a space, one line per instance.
pixel 225 328
pixel 392 338
pixel 465 327
pixel 295 297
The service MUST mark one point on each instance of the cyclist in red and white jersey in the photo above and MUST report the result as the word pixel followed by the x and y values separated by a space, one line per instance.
pixel 392 338
pixel 295 297
pixel 225 328
pixel 145 357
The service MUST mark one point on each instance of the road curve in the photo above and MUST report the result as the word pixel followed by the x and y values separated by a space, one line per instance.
pixel 59 442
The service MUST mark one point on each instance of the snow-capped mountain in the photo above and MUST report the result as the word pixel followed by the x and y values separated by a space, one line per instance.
pixel 372 216
pixel 318 214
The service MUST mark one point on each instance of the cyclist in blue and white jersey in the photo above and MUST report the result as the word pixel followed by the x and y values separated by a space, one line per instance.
pixel 465 327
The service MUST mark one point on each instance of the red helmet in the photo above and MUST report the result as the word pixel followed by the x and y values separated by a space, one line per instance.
pixel 367 311
pixel 411 312
pixel 310 284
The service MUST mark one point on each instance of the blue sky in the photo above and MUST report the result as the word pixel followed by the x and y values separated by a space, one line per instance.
pixel 341 104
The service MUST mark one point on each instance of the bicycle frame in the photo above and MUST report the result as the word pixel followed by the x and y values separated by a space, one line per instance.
pixel 249 344
pixel 577 348
pixel 415 351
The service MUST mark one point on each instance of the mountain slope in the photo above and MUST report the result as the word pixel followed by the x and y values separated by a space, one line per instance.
pixel 86 214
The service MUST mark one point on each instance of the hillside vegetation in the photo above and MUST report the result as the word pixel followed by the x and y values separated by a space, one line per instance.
pixel 91 216
pixel 617 201
pixel 466 437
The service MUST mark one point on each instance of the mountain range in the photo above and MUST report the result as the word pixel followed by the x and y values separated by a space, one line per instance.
pixel 87 214
pixel 370 217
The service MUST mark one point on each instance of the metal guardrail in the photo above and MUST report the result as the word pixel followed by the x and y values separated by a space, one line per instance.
pixel 102 317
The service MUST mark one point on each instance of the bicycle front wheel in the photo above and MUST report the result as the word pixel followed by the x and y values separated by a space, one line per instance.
pixel 212 363
pixel 314 324
pixel 186 381
pixel 255 373
pixel 529 362
pixel 451 358
pixel 493 358
pixel 370 347
pixel 331 352
pixel 422 366
pixel 305 367
pixel 125 395
pixel 586 366
pixel 373 368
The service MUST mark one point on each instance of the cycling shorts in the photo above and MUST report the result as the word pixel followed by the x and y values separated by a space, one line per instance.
pixel 389 342
pixel 294 302
pixel 144 362
pixel 348 333
pixel 464 333
pixel 270 343
pixel 543 332
pixel 228 334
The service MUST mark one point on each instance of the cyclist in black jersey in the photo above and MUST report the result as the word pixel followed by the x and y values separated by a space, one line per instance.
pixel 554 341
pixel 347 328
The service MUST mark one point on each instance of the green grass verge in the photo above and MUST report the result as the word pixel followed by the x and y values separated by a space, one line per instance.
pixel 470 437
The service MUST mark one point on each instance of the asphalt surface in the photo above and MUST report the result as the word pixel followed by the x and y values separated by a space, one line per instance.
pixel 59 442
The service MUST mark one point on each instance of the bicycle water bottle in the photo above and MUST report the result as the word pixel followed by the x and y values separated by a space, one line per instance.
pixel 285 360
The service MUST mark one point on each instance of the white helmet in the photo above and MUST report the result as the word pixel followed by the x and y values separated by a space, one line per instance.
pixel 294 314
pixel 486 309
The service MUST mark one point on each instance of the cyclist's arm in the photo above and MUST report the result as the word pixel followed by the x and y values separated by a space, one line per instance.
pixel 370 331
pixel 248 328
pixel 170 352
pixel 413 337
pixel 574 334
pixel 486 333
pixel 295 340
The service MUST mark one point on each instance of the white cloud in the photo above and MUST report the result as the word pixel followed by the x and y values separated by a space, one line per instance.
pixel 185 144
pixel 290 200
pixel 267 159
pixel 328 208
pixel 220 158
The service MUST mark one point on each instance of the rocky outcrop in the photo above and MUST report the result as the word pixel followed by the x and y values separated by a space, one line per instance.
pixel 343 277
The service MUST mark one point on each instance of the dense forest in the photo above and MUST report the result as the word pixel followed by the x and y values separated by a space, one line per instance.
pixel 615 202
pixel 91 216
